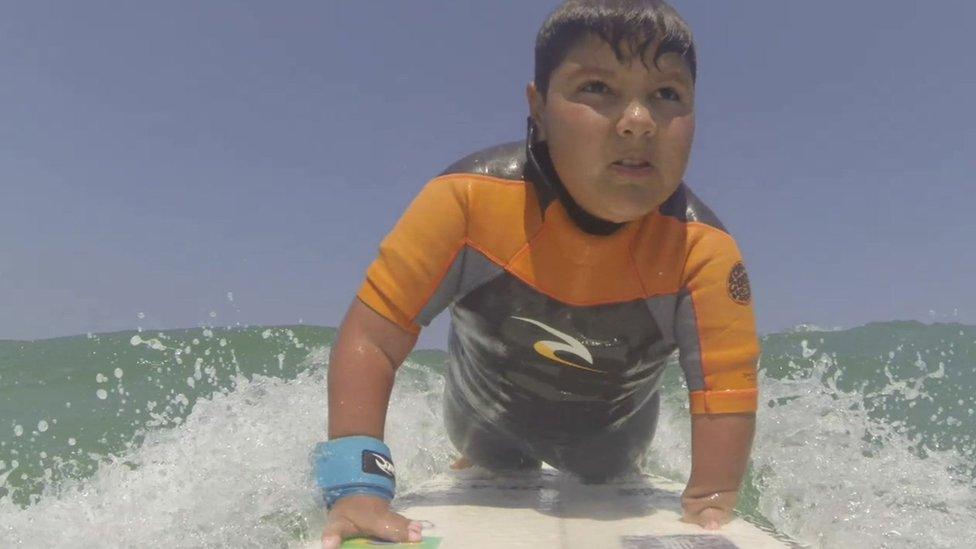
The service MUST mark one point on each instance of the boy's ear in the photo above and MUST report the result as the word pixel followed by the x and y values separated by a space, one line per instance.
pixel 537 105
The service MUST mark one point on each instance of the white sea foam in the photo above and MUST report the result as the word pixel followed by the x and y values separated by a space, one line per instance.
pixel 831 475
pixel 235 473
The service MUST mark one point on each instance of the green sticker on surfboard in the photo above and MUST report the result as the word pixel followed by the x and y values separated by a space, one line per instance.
pixel 429 542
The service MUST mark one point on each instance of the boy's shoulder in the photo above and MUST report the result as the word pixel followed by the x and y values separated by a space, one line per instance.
pixel 685 206
pixel 504 161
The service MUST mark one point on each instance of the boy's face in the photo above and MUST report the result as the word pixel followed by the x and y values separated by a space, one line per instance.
pixel 619 134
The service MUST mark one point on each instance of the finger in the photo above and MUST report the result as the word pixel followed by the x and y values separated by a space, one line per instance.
pixel 710 518
pixel 395 527
pixel 713 519
pixel 337 529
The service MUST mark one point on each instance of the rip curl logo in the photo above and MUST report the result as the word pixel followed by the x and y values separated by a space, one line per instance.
pixel 739 289
pixel 568 344
pixel 378 464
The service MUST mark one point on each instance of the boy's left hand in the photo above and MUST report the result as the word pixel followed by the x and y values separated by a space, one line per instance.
pixel 720 446
pixel 709 512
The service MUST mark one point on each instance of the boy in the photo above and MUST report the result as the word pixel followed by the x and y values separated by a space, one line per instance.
pixel 574 263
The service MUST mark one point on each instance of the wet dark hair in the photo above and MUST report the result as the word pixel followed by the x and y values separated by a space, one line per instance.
pixel 637 24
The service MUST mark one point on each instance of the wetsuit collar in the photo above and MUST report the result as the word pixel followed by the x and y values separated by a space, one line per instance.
pixel 540 171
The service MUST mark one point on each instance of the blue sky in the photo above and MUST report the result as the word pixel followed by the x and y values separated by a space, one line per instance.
pixel 175 164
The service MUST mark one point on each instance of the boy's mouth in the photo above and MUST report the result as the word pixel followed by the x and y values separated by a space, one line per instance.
pixel 633 168
pixel 632 163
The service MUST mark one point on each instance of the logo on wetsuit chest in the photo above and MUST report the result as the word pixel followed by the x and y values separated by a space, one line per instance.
pixel 568 344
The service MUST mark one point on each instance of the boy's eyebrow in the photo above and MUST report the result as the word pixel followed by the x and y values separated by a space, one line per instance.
pixel 593 69
pixel 680 77
pixel 589 69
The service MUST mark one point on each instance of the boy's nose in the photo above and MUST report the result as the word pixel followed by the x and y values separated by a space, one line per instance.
pixel 636 120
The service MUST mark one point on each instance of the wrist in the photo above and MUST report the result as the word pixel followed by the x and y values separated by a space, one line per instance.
pixel 696 502
pixel 354 465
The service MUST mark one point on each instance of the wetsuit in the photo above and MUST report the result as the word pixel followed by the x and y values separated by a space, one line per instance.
pixel 562 323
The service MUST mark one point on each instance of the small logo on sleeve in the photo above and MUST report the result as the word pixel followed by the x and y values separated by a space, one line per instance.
pixel 378 464
pixel 739 289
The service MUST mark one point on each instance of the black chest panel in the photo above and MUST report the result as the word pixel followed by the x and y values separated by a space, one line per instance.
pixel 517 353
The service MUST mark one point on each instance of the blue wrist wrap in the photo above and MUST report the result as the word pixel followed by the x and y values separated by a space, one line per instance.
pixel 354 465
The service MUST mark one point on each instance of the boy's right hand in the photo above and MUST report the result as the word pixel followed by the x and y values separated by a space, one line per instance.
pixel 367 516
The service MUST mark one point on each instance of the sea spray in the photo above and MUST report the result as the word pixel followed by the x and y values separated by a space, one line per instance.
pixel 235 472
pixel 99 395
pixel 832 473
pixel 855 444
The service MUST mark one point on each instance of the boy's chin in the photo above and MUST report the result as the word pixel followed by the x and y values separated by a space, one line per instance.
pixel 626 213
pixel 633 203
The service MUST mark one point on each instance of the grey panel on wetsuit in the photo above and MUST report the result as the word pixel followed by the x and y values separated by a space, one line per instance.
pixel 686 332
pixel 506 161
pixel 469 270
pixel 686 206
pixel 662 308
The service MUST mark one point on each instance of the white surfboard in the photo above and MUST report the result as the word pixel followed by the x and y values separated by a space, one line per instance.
pixel 476 509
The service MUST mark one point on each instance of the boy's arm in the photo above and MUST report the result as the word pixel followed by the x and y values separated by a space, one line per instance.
pixel 362 365
pixel 393 303
pixel 719 351
pixel 368 350
pixel 720 447
pixel 405 287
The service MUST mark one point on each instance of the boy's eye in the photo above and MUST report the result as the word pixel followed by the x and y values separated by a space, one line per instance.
pixel 594 86
pixel 669 94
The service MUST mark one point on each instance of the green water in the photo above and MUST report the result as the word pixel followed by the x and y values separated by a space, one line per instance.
pixel 844 416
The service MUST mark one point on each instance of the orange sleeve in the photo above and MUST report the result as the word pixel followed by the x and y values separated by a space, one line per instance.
pixel 416 255
pixel 722 348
